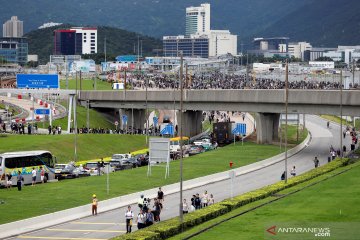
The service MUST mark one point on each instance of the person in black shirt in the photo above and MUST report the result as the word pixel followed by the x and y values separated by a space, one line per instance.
pixel 197 202
pixel 160 196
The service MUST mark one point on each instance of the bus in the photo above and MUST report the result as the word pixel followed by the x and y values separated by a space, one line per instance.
pixel 12 162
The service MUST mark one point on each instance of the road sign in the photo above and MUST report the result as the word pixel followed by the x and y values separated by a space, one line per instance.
pixel 42 111
pixel 124 119
pixel 240 129
pixel 167 130
pixel 156 121
pixel 37 80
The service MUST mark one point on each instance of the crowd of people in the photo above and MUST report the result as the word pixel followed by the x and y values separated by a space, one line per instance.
pixel 218 80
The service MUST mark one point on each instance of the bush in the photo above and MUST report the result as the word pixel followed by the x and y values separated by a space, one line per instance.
pixel 173 226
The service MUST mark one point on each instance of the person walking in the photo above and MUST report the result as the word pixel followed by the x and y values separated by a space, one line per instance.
pixel 293 171
pixel 316 162
pixel 129 216
pixel 94 205
pixel 160 197
pixel 149 218
pixel 140 220
pixel 8 180
pixel 33 174
pixel 20 180
pixel 205 199
pixel 211 200
pixel 42 174
pixel 185 207
pixel 197 202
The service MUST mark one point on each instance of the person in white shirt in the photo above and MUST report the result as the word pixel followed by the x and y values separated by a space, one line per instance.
pixel 129 215
pixel 293 171
pixel 205 199
pixel 33 173
pixel 185 207
pixel 141 217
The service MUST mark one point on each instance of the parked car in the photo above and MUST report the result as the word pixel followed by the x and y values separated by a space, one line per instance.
pixel 92 167
pixel 143 159
pixel 63 171
pixel 196 150
pixel 116 165
pixel 130 163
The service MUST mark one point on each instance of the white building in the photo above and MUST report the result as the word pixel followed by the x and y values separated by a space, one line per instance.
pixel 297 49
pixel 13 28
pixel 89 39
pixel 197 19
pixel 221 42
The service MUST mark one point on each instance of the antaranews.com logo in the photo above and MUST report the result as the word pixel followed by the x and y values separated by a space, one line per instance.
pixel 316 231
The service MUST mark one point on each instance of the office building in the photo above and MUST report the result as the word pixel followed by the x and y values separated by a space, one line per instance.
pixel 221 42
pixel 75 41
pixel 13 28
pixel 276 44
pixel 191 46
pixel 14 50
pixel 297 49
pixel 89 39
pixel 197 19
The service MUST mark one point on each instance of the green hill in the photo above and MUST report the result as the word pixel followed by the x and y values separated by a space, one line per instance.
pixel 118 42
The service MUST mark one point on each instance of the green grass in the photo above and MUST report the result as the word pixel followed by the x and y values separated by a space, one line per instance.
pixel 72 193
pixel 14 111
pixel 96 120
pixel 207 125
pixel 86 84
pixel 90 146
pixel 334 200
pixel 344 122
pixel 292 134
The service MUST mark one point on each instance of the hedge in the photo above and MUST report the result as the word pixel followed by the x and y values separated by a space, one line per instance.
pixel 173 226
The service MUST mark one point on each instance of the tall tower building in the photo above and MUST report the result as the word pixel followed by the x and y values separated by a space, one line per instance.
pixel 13 28
pixel 198 19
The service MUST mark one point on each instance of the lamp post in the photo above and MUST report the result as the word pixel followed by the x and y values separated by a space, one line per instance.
pixel 341 114
pixel 286 117
pixel 181 150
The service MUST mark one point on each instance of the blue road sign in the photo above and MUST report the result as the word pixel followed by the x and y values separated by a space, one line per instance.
pixel 124 119
pixel 37 81
pixel 156 121
pixel 240 129
pixel 42 111
pixel 167 130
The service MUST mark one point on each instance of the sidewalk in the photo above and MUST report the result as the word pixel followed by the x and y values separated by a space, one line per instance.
pixel 55 218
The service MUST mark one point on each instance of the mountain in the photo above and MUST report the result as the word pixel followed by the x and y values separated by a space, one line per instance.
pixel 118 41
pixel 323 22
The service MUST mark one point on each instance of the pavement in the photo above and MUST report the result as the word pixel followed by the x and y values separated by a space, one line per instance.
pixel 111 222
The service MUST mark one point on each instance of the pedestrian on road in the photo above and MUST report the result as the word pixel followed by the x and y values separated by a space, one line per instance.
pixel 185 207
pixel 197 202
pixel 129 216
pixel 149 218
pixel 160 197
pixel 293 172
pixel 94 205
pixel 316 162
pixel 20 181
pixel 328 124
pixel 33 173
pixel 283 176
pixel 211 199
pixel 42 174
pixel 140 220
pixel 205 199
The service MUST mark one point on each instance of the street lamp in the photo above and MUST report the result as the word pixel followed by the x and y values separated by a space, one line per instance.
pixel 286 117
pixel 181 150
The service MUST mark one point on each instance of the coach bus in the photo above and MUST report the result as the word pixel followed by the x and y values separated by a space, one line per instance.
pixel 12 162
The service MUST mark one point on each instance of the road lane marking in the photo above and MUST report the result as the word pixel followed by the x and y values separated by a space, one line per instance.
pixel 97 223
pixel 58 238
pixel 83 230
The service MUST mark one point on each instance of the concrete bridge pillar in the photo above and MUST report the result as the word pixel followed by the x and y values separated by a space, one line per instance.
pixel 136 118
pixel 267 127
pixel 192 123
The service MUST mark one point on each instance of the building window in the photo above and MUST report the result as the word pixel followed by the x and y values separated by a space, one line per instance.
pixel 93 44
pixel 92 40
pixel 85 40
pixel 92 34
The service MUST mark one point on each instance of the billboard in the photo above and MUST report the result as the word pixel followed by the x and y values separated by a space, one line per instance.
pixel 37 80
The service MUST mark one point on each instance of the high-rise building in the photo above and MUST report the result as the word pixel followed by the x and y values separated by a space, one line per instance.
pixel 14 50
pixel 13 28
pixel 75 41
pixel 197 19
pixel 191 46
pixel 89 39
pixel 297 49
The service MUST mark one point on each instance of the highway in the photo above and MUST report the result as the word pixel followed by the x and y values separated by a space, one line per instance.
pixel 110 224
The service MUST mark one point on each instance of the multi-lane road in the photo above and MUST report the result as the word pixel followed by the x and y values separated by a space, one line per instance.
pixel 110 224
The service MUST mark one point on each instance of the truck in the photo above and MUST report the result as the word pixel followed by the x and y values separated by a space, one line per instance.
pixel 222 133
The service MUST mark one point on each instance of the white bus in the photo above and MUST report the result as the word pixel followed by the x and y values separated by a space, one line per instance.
pixel 12 162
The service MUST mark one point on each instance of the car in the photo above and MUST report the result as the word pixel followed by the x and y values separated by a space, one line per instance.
pixel 63 171
pixel 196 150
pixel 116 165
pixel 130 163
pixel 143 159
pixel 92 167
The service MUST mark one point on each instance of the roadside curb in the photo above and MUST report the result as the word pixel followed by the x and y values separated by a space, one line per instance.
pixel 47 220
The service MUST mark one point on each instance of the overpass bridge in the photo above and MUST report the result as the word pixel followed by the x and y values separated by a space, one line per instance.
pixel 267 104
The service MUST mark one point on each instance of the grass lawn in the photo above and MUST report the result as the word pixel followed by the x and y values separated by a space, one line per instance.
pixel 344 122
pixel 71 193
pixel 86 84
pixel 292 134
pixel 332 201
pixel 95 118
pixel 90 146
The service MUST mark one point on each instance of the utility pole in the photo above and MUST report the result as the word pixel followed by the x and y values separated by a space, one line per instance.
pixel 181 150
pixel 341 114
pixel 105 51
pixel 353 73
pixel 286 118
